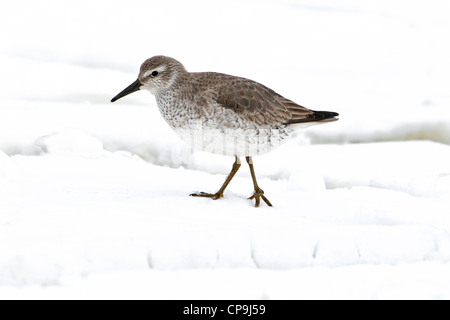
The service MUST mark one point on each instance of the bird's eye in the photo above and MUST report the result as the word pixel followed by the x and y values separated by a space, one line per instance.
pixel 155 73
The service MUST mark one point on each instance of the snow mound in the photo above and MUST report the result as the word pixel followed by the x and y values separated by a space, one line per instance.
pixel 8 172
pixel 115 213
pixel 306 181
pixel 5 164
pixel 69 143
pixel 30 269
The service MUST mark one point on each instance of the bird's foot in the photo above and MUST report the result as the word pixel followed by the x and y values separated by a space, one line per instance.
pixel 257 195
pixel 214 196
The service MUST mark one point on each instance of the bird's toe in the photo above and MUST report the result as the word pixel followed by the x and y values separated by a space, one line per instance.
pixel 213 196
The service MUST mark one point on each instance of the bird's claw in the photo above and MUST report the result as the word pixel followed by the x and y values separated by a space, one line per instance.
pixel 257 195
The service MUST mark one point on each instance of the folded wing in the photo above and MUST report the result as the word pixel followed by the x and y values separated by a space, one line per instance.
pixel 259 104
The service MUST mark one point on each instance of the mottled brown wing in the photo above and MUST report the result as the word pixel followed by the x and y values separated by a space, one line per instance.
pixel 253 101
pixel 259 104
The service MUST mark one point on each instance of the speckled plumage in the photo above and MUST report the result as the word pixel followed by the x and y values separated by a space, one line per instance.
pixel 223 114
pixel 220 113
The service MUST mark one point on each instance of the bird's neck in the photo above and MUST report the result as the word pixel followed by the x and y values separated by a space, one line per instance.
pixel 174 86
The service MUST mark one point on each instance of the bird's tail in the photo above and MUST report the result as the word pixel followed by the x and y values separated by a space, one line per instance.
pixel 317 116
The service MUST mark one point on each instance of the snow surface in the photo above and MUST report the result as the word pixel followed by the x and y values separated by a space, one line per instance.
pixel 94 196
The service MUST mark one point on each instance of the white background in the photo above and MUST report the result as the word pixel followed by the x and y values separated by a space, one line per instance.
pixel 94 196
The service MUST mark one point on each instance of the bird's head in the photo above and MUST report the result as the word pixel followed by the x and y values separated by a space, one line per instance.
pixel 157 75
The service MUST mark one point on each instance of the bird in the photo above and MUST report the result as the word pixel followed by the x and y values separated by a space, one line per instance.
pixel 223 114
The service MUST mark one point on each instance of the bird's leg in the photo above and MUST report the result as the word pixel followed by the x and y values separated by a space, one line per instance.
pixel 259 193
pixel 219 194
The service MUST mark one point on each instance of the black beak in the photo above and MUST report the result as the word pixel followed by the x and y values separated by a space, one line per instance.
pixel 135 86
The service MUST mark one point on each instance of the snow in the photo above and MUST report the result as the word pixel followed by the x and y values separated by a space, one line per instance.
pixel 94 196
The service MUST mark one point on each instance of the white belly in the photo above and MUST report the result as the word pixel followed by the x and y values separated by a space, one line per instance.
pixel 232 142
pixel 220 130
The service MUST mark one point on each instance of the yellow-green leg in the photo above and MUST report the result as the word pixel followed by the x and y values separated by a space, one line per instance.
pixel 259 193
pixel 219 194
